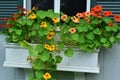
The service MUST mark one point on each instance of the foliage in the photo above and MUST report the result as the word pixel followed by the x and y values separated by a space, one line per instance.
pixel 45 35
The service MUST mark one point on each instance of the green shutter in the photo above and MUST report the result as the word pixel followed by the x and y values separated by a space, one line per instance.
pixel 8 7
pixel 93 3
pixel 110 5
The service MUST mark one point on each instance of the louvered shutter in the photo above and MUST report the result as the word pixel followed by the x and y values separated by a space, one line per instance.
pixel 8 7
pixel 110 5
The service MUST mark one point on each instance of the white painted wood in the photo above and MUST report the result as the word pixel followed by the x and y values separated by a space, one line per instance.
pixel 16 57
pixel 88 5
pixel 57 6
pixel 28 72
pixel 75 60
pixel 24 4
pixel 28 5
pixel 5 73
pixel 79 76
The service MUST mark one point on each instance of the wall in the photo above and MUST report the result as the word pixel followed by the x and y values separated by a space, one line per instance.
pixel 5 72
pixel 109 63
pixel 9 72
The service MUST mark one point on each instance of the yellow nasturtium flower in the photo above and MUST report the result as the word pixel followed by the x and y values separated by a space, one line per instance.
pixel 55 20
pixel 28 12
pixel 47 46
pixel 49 36
pixel 47 76
pixel 52 47
pixel 51 32
pixel 44 24
pixel 34 8
pixel 32 16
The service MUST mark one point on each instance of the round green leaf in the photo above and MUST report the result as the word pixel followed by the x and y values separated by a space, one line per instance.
pixel 103 40
pixel 44 56
pixel 112 39
pixel 75 37
pixel 58 59
pixel 69 52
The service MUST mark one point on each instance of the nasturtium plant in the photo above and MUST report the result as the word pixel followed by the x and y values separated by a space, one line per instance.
pixel 47 34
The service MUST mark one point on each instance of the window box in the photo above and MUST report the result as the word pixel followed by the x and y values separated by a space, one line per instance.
pixel 81 62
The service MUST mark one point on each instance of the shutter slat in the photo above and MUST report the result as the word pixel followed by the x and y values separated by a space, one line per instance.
pixel 1 7
pixel 113 6
pixel 2 10
pixel 8 7
pixel 6 2
pixel 109 2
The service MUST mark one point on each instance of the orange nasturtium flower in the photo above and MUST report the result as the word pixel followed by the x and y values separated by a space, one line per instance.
pixel 2 26
pixel 32 16
pixel 44 24
pixel 47 76
pixel 87 13
pixel 79 15
pixel 9 25
pixel 55 20
pixel 110 24
pixel 107 13
pixel 97 8
pixel 72 30
pixel 64 17
pixel 75 19
pixel 87 19
pixel 117 18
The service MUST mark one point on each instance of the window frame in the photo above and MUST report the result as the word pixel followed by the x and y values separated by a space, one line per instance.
pixel 27 5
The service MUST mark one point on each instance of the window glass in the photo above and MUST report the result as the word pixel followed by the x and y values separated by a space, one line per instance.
pixel 43 4
pixel 109 0
pixel 71 7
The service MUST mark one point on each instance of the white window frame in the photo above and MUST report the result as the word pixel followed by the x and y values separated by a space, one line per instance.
pixel 27 5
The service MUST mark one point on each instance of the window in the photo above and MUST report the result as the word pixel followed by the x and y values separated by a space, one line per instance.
pixel 69 7
pixel 43 4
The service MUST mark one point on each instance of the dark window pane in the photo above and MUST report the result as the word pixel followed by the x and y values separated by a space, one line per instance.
pixel 109 0
pixel 71 7
pixel 43 4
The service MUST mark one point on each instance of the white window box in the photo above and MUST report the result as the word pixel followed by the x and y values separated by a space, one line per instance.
pixel 81 62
